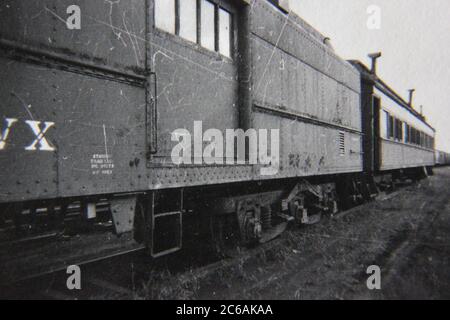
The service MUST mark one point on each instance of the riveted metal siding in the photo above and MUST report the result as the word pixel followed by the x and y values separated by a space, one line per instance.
pixel 307 149
pixel 91 117
pixel 315 95
pixel 112 32
pixel 290 37
pixel 193 85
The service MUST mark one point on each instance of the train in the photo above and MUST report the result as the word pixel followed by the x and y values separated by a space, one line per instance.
pixel 94 114
pixel 442 158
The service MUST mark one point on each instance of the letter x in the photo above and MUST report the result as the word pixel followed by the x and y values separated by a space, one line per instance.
pixel 40 136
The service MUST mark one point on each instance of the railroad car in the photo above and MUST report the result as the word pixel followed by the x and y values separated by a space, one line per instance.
pixel 442 158
pixel 397 138
pixel 93 110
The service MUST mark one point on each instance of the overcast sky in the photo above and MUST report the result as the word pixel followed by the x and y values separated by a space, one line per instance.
pixel 414 37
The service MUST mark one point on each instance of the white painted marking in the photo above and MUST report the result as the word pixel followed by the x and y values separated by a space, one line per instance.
pixel 5 133
pixel 40 136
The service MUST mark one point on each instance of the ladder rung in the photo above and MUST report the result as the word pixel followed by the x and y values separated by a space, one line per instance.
pixel 166 252
pixel 167 214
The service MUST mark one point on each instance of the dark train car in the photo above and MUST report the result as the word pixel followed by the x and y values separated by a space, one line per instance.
pixel 90 118
pixel 442 158
pixel 397 138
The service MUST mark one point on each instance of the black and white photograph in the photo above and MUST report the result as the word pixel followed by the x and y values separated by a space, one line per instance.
pixel 226 153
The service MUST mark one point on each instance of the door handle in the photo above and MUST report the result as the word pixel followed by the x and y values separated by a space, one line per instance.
pixel 152 116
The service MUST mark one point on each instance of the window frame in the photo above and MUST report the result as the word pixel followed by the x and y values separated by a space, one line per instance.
pixel 228 7
pixel 175 17
pixel 199 24
pixel 178 21
pixel 398 130
pixel 406 132
pixel 230 32
pixel 391 127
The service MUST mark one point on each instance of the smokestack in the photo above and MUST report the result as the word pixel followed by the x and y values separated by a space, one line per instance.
pixel 374 57
pixel 411 95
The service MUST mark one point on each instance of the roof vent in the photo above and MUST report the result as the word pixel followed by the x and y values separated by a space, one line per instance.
pixel 374 57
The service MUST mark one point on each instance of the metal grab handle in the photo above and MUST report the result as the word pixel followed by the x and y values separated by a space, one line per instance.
pixel 153 102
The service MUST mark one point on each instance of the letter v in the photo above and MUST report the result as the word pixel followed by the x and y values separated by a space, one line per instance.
pixel 4 134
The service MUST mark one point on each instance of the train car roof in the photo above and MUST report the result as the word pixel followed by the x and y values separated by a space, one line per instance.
pixel 283 6
pixel 368 76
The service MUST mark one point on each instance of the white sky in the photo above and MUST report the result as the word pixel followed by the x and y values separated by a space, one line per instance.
pixel 414 38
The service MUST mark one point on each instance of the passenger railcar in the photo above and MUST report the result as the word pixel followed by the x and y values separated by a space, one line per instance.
pixel 442 158
pixel 397 137
pixel 91 116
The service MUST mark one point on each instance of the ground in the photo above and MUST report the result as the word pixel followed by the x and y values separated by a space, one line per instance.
pixel 406 234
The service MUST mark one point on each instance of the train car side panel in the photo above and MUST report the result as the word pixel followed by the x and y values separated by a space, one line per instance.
pixel 398 149
pixel 398 156
pixel 65 141
pixel 303 89
pixel 111 34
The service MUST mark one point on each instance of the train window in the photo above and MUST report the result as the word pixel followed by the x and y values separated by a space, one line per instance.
pixel 391 127
pixel 224 32
pixel 397 129
pixel 387 124
pixel 406 129
pixel 411 134
pixel 208 33
pixel 188 20
pixel 383 124
pixel 165 17
pixel 199 21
